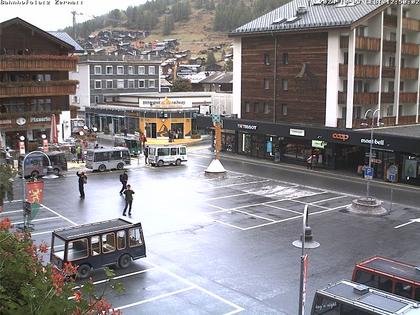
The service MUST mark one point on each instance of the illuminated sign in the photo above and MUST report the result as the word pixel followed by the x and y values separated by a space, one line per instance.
pixel 297 132
pixel 340 136
pixel 374 141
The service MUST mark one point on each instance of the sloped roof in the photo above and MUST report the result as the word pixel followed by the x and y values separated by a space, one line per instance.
pixel 68 39
pixel 219 77
pixel 319 15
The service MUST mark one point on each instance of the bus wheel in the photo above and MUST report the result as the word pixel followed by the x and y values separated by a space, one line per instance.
pixel 102 168
pixel 160 163
pixel 34 174
pixel 56 172
pixel 124 261
pixel 120 166
pixel 83 271
pixel 178 162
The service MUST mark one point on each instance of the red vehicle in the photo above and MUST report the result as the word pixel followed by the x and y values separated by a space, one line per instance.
pixel 389 275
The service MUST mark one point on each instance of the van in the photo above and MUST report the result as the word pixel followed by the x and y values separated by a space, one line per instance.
pixel 37 164
pixel 103 159
pixel 167 155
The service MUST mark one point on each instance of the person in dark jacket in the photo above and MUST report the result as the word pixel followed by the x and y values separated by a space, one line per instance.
pixel 128 200
pixel 123 180
pixel 82 182
pixel 146 154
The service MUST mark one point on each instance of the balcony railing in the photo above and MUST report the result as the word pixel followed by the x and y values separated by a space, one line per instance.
pixel 38 62
pixel 389 46
pixel 390 20
pixel 410 49
pixel 411 24
pixel 361 71
pixel 387 97
pixel 386 121
pixel 408 97
pixel 409 73
pixel 359 98
pixel 362 43
pixel 34 88
pixel 388 72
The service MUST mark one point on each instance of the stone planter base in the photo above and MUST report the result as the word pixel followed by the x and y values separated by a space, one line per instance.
pixel 367 206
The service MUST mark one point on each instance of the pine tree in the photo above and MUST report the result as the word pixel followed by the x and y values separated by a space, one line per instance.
pixel 210 60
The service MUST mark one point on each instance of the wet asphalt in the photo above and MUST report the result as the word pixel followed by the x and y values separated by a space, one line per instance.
pixel 224 245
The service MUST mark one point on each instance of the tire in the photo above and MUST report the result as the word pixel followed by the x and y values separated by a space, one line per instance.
pixel 120 166
pixel 34 174
pixel 84 271
pixel 101 168
pixel 56 171
pixel 160 163
pixel 178 162
pixel 124 261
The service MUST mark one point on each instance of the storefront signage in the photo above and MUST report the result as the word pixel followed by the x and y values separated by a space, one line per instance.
pixel 5 122
pixel 375 141
pixel 40 119
pixel 248 127
pixel 297 132
pixel 318 144
pixel 20 121
pixel 340 136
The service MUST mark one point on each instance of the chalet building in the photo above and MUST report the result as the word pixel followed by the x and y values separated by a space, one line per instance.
pixel 34 82
pixel 102 75
pixel 306 73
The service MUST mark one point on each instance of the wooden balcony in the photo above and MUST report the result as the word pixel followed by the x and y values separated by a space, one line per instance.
pixel 389 46
pixel 409 73
pixel 410 49
pixel 362 43
pixel 361 71
pixel 388 72
pixel 34 88
pixel 410 24
pixel 408 97
pixel 387 97
pixel 390 20
pixel 359 98
pixel 38 63
pixel 386 121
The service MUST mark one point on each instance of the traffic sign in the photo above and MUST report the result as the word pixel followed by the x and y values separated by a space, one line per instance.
pixel 391 177
pixel 368 172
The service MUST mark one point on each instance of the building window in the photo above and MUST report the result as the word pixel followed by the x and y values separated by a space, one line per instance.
pixel 109 84
pixel 284 109
pixel 98 70
pixel 247 107
pixel 120 84
pixel 285 58
pixel 131 84
pixel 390 110
pixel 357 112
pixel 152 70
pixel 402 63
pixel 141 84
pixel 345 86
pixel 266 84
pixel 142 70
pixel 403 38
pixel 361 31
pixel 285 84
pixel 358 59
pixel 152 84
pixel 120 70
pixel 96 99
pixel 130 70
pixel 109 70
pixel 392 36
pixel 391 62
pixel 401 86
pixel 391 86
pixel 75 99
pixel 267 59
pixel 346 58
pixel 257 107
pixel 266 108
pixel 98 84
pixel 400 110
pixel 358 86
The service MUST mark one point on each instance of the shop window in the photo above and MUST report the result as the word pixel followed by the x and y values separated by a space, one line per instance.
pixel 285 84
pixel 285 58
pixel 284 109
pixel 108 243
pixel 267 59
pixel 403 289
pixel 98 84
pixel 77 249
pixel 141 70
pixel 109 70
pixel 109 84
pixel 266 84
pixel 120 240
pixel 120 70
pixel 95 246
pixel 141 84
pixel 135 237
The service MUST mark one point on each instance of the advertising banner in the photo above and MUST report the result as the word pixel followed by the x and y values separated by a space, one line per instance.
pixel 35 192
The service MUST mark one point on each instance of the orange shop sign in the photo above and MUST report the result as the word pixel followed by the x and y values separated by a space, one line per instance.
pixel 340 136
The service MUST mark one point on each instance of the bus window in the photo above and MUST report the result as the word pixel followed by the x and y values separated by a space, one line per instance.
pixel 101 156
pixel 125 155
pixel 135 237
pixel 121 240
pixel 366 278
pixel 95 246
pixel 163 151
pixel 108 243
pixel 385 284
pixel 116 155
pixel 58 249
pixel 325 306
pixel 183 150
pixel 403 289
pixel 174 151
pixel 77 249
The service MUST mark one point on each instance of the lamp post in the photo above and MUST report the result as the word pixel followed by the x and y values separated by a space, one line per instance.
pixel 374 112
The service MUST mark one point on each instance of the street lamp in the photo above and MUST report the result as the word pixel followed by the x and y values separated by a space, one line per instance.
pixel 374 112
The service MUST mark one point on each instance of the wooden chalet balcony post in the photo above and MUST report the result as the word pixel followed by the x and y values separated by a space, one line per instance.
pixel 35 88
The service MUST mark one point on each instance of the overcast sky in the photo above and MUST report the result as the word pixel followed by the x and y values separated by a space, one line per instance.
pixel 50 15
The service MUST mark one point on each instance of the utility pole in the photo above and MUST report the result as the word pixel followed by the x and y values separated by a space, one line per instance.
pixel 74 13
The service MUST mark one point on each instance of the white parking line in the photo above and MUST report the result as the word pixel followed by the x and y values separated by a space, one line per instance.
pixel 12 201
pixel 40 233
pixel 283 209
pixel 12 211
pixel 310 204
pixel 61 216
pixel 270 223
pixel 230 225
pixel 37 220
pixel 254 215
pixel 229 196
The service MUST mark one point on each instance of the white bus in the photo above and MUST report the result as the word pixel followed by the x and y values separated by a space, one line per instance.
pixel 107 158
pixel 167 155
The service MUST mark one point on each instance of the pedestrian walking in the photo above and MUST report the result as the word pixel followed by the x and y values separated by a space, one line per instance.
pixel 128 200
pixel 82 183
pixel 309 162
pixel 146 154
pixel 78 153
pixel 123 180
pixel 143 139
pixel 9 159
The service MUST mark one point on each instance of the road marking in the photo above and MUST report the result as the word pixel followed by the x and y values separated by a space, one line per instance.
pixel 270 223
pixel 155 298
pixel 409 222
pixel 229 196
pixel 329 199
pixel 238 308
pixel 284 209
pixel 40 233
pixel 37 220
pixel 61 216
pixel 238 184
pixel 230 225
pixel 310 204
pixel 254 215
pixel 12 211
pixel 12 201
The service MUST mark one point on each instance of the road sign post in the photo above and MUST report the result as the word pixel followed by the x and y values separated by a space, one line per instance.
pixel 369 173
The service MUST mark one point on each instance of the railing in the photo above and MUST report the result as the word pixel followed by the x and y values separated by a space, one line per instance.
pixel 34 88
pixel 362 43
pixel 408 97
pixel 38 62
pixel 390 20
pixel 409 73
pixel 411 24
pixel 27 115
pixel 387 97
pixel 359 98
pixel 388 72
pixel 361 71
pixel 389 46
pixel 386 121
pixel 410 49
